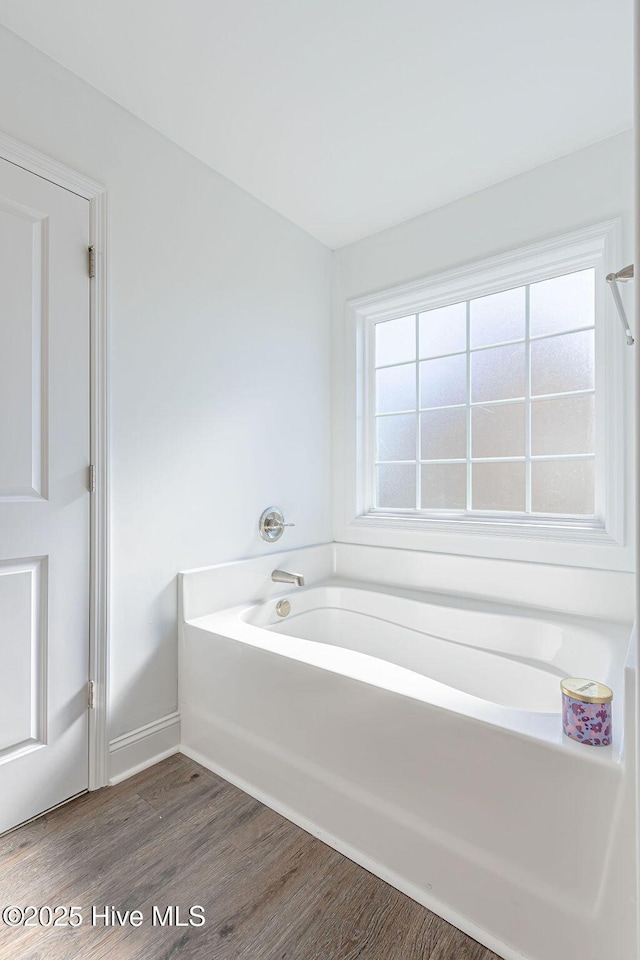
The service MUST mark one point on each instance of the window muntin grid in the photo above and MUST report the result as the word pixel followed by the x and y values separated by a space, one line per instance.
pixel 486 405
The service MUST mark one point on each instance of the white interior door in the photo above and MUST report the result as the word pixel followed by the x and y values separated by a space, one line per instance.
pixel 44 498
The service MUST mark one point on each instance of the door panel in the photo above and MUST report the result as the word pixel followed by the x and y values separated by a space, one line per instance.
pixel 23 256
pixel 23 617
pixel 44 499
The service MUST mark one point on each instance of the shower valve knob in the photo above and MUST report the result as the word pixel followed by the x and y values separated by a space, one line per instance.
pixel 272 524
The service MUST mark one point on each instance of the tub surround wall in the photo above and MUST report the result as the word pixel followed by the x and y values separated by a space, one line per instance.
pixel 602 594
pixel 214 588
pixel 219 339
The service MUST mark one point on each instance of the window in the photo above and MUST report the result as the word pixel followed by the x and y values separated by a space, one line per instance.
pixel 487 404
pixel 489 399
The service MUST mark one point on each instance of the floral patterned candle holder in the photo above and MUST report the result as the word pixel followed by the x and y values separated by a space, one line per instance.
pixel 586 711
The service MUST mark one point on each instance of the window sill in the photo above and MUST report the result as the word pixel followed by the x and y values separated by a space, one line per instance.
pixel 567 531
pixel 594 549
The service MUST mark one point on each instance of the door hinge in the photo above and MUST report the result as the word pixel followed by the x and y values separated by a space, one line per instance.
pixel 92 261
pixel 90 695
pixel 92 478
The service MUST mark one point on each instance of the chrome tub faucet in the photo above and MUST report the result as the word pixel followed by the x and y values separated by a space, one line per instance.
pixel 281 576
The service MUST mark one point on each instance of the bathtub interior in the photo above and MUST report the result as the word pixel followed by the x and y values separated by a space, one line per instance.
pixel 510 658
pixel 496 677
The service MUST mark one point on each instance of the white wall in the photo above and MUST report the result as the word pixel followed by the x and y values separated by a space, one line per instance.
pixel 583 188
pixel 220 364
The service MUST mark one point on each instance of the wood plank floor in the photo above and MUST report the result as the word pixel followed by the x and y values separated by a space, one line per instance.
pixel 178 834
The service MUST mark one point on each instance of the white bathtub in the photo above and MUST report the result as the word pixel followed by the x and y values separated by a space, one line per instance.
pixel 421 736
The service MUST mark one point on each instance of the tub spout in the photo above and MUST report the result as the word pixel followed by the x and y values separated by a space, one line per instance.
pixel 281 576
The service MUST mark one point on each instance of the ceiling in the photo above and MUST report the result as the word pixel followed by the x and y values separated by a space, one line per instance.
pixel 347 116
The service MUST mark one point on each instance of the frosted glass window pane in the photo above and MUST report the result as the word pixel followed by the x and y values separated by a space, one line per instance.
pixel 395 341
pixel 443 382
pixel 563 303
pixel 497 374
pixel 498 430
pixel 562 426
pixel 396 485
pixel 498 317
pixel 397 437
pixel 443 434
pixel 562 364
pixel 498 486
pixel 444 486
pixel 443 330
pixel 563 486
pixel 396 388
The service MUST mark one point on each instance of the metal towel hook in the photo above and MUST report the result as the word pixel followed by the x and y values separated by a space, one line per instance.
pixel 613 279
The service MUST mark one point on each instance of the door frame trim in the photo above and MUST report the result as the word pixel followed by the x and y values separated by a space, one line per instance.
pixel 96 193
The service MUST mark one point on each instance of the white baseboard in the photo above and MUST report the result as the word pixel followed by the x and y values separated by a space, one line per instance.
pixel 362 859
pixel 135 751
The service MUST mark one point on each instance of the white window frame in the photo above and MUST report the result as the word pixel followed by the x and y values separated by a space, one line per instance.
pixel 594 247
